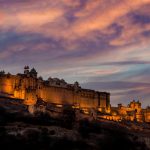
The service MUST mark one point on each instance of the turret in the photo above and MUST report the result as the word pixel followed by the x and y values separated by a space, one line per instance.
pixel 26 70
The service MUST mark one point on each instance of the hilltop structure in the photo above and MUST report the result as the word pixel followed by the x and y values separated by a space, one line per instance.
pixel 30 88
pixel 39 94
pixel 132 112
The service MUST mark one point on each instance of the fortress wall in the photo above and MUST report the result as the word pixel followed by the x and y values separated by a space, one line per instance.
pixel 147 116
pixel 57 95
pixel 40 87
pixel 67 96
pixel 28 82
pixel 108 101
pixel 18 90
pixel 88 102
pixel 30 97
pixel 7 84
pixel 89 99
pixel 103 99
pixel 22 84
pixel 19 94
pixel 103 103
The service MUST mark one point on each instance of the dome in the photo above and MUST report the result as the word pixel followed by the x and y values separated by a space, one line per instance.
pixel 33 71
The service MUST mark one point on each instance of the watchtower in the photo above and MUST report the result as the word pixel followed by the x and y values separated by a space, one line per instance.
pixel 26 70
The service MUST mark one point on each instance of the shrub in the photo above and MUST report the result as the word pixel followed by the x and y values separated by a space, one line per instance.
pixel 68 117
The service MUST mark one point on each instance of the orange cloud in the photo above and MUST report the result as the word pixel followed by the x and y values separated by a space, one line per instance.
pixel 102 18
pixel 71 3
pixel 50 19
pixel 132 32
pixel 31 21
pixel 39 18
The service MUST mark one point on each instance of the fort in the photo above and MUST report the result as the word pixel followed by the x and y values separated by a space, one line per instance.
pixel 30 88
pixel 33 90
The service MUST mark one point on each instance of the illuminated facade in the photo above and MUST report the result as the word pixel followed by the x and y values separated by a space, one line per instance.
pixel 30 88
pixel 132 112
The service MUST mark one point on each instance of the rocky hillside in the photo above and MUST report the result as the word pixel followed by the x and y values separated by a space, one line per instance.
pixel 43 131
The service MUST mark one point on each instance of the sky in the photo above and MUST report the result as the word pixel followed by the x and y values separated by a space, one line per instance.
pixel 102 44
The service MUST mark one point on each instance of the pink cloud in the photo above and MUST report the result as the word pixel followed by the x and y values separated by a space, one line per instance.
pixel 102 18
pixel 48 18
pixel 36 19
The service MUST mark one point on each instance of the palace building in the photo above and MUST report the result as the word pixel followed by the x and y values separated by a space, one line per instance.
pixel 132 112
pixel 29 88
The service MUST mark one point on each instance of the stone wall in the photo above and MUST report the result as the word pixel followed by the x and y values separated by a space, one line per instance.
pixel 69 96
pixel 147 115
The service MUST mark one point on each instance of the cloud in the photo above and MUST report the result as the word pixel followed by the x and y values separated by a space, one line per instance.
pixel 31 21
pixel 89 15
pixel 131 62
pixel 103 17
pixel 132 33
pixel 37 18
